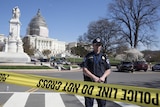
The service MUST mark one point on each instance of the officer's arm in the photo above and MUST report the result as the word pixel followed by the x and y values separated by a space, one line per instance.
pixel 106 73
pixel 89 74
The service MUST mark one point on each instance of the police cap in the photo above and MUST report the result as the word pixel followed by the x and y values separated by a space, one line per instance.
pixel 97 41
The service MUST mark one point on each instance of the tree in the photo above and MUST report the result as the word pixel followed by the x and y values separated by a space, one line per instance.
pixel 1 47
pixel 151 56
pixel 79 50
pixel 107 31
pixel 83 38
pixel 137 19
pixel 121 47
pixel 46 52
pixel 27 48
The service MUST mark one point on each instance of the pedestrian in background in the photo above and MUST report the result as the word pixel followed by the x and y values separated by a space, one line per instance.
pixel 96 68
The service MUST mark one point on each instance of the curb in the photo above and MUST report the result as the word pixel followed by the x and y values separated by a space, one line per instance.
pixel 39 70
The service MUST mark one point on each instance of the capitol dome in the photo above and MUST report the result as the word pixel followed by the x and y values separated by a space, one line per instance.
pixel 38 26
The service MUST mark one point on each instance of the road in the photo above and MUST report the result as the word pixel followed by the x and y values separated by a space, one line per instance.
pixel 23 96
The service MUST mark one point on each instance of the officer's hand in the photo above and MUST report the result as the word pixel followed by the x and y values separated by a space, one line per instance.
pixel 96 79
pixel 101 79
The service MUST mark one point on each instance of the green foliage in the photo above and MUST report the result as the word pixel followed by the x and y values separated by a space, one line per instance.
pixel 79 60
pixel 113 62
pixel 75 60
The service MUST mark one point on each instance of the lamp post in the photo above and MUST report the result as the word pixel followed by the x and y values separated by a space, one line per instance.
pixel 150 61
pixel 74 55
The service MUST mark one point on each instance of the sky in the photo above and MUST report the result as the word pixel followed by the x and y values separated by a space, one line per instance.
pixel 66 19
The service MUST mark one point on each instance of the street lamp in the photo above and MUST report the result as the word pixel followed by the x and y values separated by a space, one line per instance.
pixel 150 61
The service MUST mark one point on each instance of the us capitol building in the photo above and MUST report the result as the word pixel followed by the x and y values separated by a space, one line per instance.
pixel 37 34
pixel 38 37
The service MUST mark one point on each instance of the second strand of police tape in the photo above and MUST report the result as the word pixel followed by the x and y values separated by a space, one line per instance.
pixel 128 94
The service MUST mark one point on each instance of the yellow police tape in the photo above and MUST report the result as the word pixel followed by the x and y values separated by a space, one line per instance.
pixel 148 97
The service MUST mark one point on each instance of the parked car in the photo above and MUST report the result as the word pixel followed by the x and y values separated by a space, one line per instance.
pixel 34 60
pixel 44 60
pixel 140 65
pixel 125 66
pixel 156 67
pixel 63 61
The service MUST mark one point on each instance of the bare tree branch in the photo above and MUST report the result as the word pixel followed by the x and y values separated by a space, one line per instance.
pixel 107 31
pixel 137 17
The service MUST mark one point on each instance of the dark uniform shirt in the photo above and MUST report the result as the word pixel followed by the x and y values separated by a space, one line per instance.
pixel 96 64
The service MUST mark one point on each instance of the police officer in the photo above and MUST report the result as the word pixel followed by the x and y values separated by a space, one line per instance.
pixel 96 68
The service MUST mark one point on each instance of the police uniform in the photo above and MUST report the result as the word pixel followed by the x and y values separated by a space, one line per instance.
pixel 97 64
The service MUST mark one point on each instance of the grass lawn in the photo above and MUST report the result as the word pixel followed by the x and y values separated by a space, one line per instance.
pixel 32 67
pixel 24 67
pixel 113 62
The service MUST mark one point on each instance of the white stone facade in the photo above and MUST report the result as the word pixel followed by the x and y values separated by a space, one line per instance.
pixel 43 31
pixel 43 43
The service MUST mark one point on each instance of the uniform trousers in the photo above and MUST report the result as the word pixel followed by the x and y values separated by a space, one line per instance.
pixel 90 101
